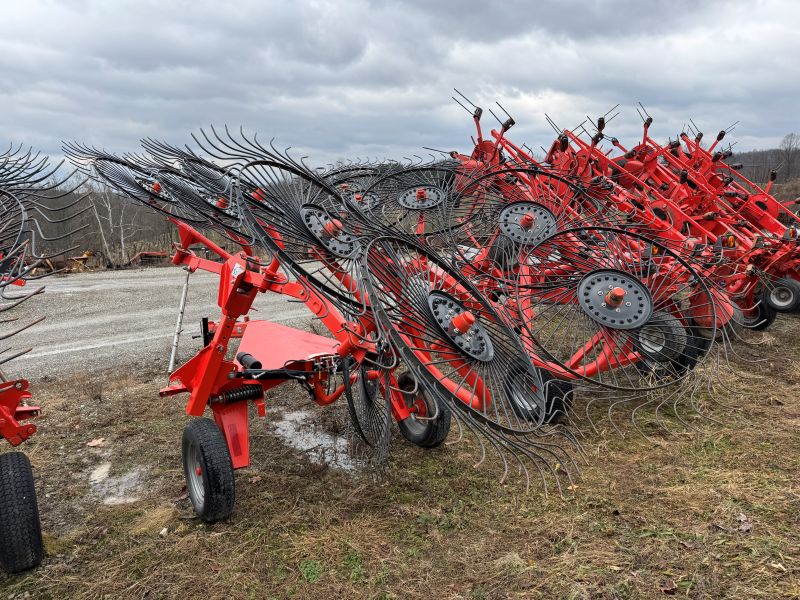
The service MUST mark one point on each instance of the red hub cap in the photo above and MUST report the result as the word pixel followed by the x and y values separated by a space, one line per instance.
pixel 463 321
pixel 332 228
pixel 527 221
pixel 615 297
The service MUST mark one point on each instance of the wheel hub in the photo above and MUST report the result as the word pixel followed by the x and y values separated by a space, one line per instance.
pixel 615 299
pixel 422 197
pixel 329 232
pixel 356 194
pixel 460 326
pixel 527 223
pixel 782 295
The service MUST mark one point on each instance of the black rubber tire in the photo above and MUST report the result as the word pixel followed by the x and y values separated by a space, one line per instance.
pixel 429 433
pixel 20 530
pixel 673 342
pixel 504 253
pixel 697 347
pixel 369 409
pixel 204 446
pixel 792 287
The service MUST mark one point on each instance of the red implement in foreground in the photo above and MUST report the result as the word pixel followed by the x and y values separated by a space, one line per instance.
pixel 268 355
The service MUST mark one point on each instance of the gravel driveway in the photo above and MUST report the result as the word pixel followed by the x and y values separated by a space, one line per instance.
pixel 123 318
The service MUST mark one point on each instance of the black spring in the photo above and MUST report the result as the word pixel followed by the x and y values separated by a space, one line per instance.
pixel 246 392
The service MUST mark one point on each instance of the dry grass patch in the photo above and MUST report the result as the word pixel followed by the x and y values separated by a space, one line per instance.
pixel 708 513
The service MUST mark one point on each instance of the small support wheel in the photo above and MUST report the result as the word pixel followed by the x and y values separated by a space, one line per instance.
pixel 697 347
pixel 784 295
pixel 208 470
pixel 20 530
pixel 546 404
pixel 662 339
pixel 427 432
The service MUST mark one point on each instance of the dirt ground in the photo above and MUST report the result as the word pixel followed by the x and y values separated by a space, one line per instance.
pixel 711 511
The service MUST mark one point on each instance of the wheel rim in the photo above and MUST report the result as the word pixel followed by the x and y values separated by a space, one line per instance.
pixel 194 476
pixel 415 425
pixel 782 296
pixel 417 403
pixel 652 339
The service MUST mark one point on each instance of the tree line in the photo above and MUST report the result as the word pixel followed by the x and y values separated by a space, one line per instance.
pixel 784 160
pixel 104 224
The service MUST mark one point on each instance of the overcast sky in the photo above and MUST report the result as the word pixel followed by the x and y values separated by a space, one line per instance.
pixel 356 79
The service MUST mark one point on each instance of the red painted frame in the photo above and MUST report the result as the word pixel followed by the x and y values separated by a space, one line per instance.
pixel 209 375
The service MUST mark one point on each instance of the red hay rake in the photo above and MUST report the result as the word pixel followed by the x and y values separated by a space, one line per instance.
pixel 30 200
pixel 491 291
pixel 687 196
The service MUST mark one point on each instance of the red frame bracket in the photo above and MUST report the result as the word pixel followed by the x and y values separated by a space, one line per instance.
pixel 12 394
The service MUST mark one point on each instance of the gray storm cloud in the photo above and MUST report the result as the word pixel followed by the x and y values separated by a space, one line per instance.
pixel 348 78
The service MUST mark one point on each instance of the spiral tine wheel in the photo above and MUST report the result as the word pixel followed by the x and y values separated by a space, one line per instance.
pixel 599 303
pixel 448 334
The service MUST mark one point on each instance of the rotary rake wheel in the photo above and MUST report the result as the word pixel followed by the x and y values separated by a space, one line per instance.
pixel 175 192
pixel 462 352
pixel 216 193
pixel 309 228
pixel 733 282
pixel 206 175
pixel 612 308
pixel 197 183
pixel 411 200
pixel 504 213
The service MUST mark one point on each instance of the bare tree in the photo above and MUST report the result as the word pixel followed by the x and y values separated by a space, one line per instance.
pixel 790 152
pixel 117 223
